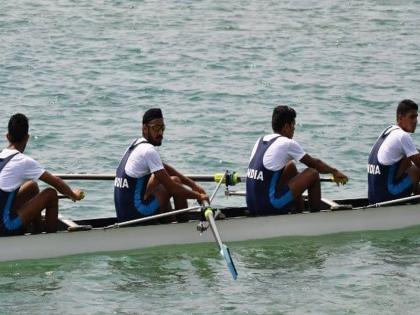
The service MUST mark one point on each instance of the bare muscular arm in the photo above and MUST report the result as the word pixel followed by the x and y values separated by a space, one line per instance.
pixel 324 168
pixel 164 177
pixel 61 186
pixel 185 180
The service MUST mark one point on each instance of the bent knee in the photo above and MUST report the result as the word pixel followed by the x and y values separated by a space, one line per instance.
pixel 313 172
pixel 291 168
pixel 176 179
pixel 414 173
pixel 31 187
pixel 50 193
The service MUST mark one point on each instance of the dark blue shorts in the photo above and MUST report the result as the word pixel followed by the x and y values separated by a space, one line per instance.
pixel 281 202
pixel 10 222
pixel 399 189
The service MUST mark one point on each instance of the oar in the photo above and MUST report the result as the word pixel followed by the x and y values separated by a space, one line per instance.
pixel 152 217
pixel 149 218
pixel 224 250
pixel 233 179
pixel 389 203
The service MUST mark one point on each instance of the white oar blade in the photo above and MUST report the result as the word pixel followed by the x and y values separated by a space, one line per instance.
pixel 228 258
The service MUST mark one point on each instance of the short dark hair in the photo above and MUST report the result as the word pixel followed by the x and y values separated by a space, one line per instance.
pixel 405 106
pixel 18 127
pixel 282 115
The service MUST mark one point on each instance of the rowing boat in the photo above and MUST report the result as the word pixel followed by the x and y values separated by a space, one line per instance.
pixel 237 226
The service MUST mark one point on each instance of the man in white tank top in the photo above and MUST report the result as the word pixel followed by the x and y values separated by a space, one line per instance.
pixel 274 185
pixel 144 184
pixel 21 202
pixel 394 161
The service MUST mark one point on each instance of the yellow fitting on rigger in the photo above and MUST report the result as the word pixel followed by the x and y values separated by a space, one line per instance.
pixel 208 212
pixel 232 178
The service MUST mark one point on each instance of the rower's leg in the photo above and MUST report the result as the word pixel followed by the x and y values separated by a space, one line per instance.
pixel 414 174
pixel 180 203
pixel 403 169
pixel 152 186
pixel 308 179
pixel 29 210
pixel 162 195
pixel 26 192
pixel 290 171
pixel 158 190
pixel 407 167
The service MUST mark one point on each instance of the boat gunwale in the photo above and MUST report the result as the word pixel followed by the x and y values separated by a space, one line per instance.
pixel 233 229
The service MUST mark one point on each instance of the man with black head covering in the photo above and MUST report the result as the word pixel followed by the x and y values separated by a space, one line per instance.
pixel 143 183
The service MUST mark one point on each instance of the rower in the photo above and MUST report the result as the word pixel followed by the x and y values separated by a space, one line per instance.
pixel 21 202
pixel 144 184
pixel 394 162
pixel 273 184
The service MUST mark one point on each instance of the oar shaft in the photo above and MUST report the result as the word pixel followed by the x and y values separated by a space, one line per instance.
pixel 217 187
pixel 194 177
pixel 224 251
pixel 153 217
pixel 86 176
pixel 213 227
pixel 389 203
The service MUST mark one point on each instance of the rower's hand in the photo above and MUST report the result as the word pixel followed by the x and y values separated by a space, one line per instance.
pixel 198 189
pixel 78 194
pixel 340 178
pixel 202 198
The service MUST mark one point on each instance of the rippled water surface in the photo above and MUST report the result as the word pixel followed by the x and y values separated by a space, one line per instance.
pixel 85 71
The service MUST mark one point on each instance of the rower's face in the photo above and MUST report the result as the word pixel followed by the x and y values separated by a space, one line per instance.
pixel 153 131
pixel 408 122
pixel 289 130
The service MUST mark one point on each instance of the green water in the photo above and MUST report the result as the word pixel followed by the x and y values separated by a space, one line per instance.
pixel 359 273
pixel 85 71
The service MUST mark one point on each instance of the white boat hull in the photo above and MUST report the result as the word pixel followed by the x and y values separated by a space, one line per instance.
pixel 231 229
